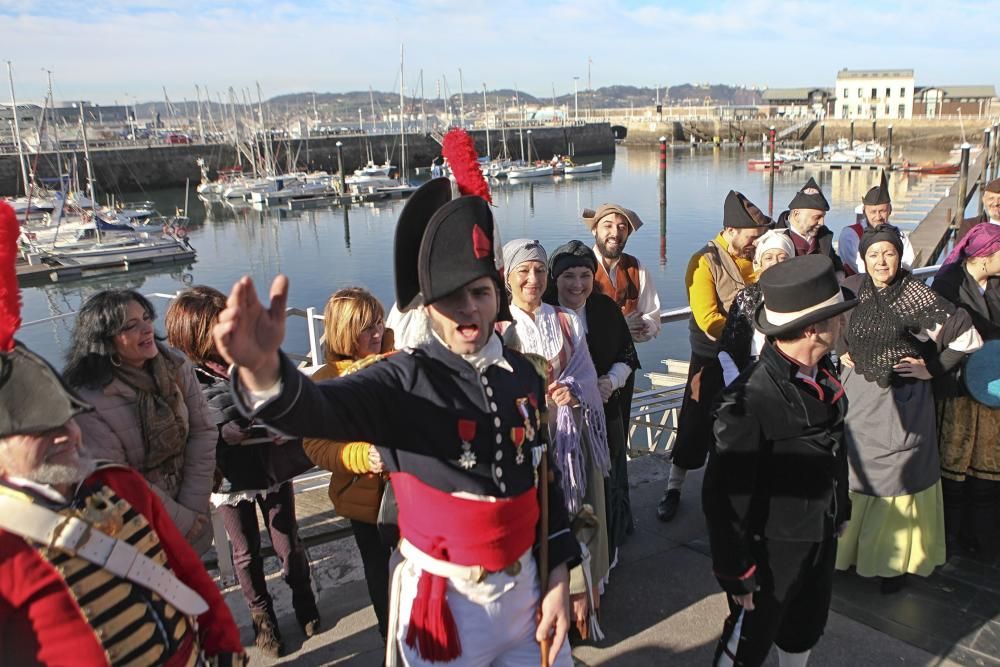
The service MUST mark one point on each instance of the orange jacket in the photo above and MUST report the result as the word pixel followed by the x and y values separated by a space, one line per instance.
pixel 355 493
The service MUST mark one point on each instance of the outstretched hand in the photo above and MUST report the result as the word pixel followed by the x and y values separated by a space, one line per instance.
pixel 249 335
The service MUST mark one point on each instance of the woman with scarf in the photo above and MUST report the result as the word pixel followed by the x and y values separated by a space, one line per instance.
pixel 741 343
pixel 571 285
pixel 577 426
pixel 900 336
pixel 253 468
pixel 149 412
pixel 969 431
pixel 354 329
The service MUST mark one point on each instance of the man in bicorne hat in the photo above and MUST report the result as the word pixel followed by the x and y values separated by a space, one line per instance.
pixel 805 225
pixel 92 569
pixel 457 422
pixel 775 489
pixel 715 274
pixel 991 210
pixel 876 207
pixel 620 275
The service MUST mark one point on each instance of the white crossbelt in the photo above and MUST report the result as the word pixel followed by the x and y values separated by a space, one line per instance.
pixel 78 538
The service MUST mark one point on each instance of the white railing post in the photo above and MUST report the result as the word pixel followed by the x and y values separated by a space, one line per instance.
pixel 314 351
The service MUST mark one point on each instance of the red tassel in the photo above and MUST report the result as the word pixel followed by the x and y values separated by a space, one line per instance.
pixel 432 630
pixel 460 151
pixel 10 295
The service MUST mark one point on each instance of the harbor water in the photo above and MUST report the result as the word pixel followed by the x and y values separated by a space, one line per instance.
pixel 326 249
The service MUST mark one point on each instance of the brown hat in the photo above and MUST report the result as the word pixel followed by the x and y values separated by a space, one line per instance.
pixel 993 186
pixel 591 217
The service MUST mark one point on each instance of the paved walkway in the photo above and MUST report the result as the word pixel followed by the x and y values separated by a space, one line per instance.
pixel 663 607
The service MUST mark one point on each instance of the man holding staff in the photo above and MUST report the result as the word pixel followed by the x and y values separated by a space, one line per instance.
pixel 458 424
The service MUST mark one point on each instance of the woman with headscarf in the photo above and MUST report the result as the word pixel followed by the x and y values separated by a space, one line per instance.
pixel 900 336
pixel 741 343
pixel 969 431
pixel 571 285
pixel 576 416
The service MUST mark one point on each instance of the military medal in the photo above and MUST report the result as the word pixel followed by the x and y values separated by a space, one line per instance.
pixel 522 408
pixel 101 514
pixel 467 431
pixel 517 434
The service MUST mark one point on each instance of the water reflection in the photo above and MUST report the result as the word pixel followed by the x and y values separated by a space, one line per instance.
pixel 320 257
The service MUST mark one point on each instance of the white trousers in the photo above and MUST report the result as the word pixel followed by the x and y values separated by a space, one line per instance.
pixel 495 618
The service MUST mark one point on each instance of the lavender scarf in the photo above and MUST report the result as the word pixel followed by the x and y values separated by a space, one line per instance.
pixel 981 241
pixel 581 378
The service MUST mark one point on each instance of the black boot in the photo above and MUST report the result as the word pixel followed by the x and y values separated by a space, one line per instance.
pixel 666 510
pixel 306 612
pixel 982 500
pixel 266 635
pixel 892 585
pixel 953 494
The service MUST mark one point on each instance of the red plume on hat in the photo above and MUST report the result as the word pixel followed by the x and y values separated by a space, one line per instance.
pixel 10 295
pixel 460 151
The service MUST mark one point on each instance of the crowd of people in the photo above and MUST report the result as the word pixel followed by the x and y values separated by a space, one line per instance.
pixel 477 437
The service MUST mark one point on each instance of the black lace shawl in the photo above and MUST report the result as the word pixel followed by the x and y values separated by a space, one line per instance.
pixel 885 322
pixel 737 336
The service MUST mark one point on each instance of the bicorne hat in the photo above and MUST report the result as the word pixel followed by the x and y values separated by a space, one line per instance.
pixel 799 292
pixel 879 194
pixel 443 244
pixel 810 196
pixel 33 397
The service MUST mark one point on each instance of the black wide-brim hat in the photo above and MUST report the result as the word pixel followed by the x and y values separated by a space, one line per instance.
pixel 799 292
pixel 33 396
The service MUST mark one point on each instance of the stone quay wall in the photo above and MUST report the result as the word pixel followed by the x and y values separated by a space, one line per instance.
pixel 131 168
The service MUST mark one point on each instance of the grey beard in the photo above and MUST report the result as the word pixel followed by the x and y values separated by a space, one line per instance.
pixel 61 473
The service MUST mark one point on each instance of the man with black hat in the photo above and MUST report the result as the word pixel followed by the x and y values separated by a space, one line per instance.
pixel 458 424
pixel 775 489
pixel 620 275
pixel 92 569
pixel 876 207
pixel 805 225
pixel 991 210
pixel 715 274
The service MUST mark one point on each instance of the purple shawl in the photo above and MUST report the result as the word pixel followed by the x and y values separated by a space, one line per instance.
pixel 581 378
pixel 981 241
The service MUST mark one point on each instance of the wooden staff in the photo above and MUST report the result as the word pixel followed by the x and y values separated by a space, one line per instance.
pixel 543 548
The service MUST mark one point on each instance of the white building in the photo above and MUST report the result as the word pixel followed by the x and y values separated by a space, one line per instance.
pixel 874 94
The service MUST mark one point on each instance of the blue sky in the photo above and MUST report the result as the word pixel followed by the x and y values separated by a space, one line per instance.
pixel 113 50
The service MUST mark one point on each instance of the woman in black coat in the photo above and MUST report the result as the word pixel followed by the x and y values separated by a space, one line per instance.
pixel 571 285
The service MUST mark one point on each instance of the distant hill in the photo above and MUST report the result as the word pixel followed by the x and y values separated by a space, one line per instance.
pixel 344 107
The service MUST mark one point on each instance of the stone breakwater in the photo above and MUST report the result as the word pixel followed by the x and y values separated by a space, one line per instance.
pixel 153 166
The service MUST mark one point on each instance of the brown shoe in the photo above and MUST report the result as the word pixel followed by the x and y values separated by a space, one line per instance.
pixel 306 612
pixel 266 635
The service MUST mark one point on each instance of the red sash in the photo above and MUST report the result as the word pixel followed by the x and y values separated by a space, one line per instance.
pixel 460 531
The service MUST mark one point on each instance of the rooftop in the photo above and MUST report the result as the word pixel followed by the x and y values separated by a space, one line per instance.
pixel 793 93
pixel 962 91
pixel 874 73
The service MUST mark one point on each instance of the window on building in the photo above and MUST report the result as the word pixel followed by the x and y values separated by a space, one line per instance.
pixel 846 93
pixel 887 111
pixel 902 92
pixel 874 93
pixel 861 93
pixel 859 109
pixel 888 92
pixel 901 111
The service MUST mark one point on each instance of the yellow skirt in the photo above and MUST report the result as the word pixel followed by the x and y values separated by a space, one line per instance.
pixel 887 537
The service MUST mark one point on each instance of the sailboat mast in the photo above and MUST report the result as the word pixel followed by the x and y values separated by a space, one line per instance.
pixel 402 127
pixel 486 121
pixel 461 99
pixel 17 128
pixel 371 100
pixel 90 171
pixel 55 129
